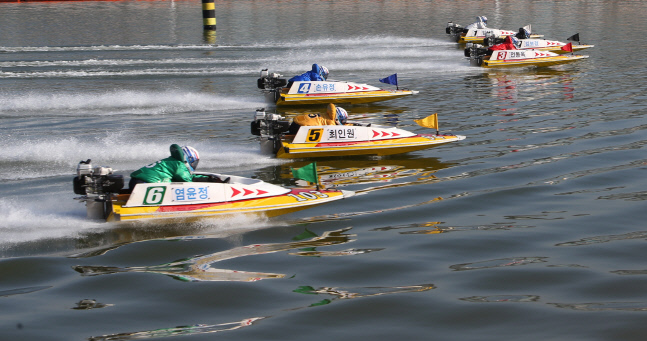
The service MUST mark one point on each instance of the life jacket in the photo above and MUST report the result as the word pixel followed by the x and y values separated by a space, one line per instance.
pixel 312 75
pixel 507 44
pixel 171 169
pixel 313 120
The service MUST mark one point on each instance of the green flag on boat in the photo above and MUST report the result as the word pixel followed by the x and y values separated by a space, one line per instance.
pixel 307 173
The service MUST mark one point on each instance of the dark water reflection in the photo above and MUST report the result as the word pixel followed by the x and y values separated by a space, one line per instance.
pixel 199 268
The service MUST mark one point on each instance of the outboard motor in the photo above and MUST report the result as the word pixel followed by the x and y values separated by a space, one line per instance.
pixel 467 52
pixel 271 84
pixel 491 40
pixel 269 127
pixel 453 28
pixel 476 52
pixel 270 81
pixel 96 185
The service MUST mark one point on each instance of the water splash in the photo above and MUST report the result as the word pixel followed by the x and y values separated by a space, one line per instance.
pixel 120 102
pixel 52 156
pixel 45 219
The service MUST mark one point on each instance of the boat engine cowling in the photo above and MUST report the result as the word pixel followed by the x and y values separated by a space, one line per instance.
pixel 96 185
pixel 491 40
pixel 96 181
pixel 270 81
pixel 453 28
pixel 267 124
pixel 269 127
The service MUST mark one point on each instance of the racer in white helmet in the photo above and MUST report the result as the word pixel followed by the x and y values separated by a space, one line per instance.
pixel 481 22
pixel 179 167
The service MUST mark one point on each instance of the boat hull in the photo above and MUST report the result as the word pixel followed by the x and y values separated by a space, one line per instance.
pixel 558 49
pixel 294 200
pixel 359 97
pixel 479 39
pixel 377 147
pixel 539 62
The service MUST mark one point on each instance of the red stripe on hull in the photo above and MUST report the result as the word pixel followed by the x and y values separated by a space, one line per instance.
pixel 194 207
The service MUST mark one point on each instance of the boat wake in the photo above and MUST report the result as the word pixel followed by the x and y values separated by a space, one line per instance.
pixel 121 102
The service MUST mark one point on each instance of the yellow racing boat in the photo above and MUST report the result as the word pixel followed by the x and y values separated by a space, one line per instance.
pixel 516 58
pixel 510 56
pixel 554 46
pixel 105 199
pixel 281 93
pixel 341 140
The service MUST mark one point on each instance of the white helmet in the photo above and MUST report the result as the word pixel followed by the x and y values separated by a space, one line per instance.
pixel 341 116
pixel 191 157
pixel 323 71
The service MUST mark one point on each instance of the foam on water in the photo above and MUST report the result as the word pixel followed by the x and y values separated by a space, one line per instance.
pixel 58 156
pixel 358 42
pixel 370 53
pixel 319 42
pixel 46 218
pixel 120 102
pixel 22 49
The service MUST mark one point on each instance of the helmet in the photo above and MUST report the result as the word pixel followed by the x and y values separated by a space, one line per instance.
pixel 483 19
pixel 341 116
pixel 191 157
pixel 323 72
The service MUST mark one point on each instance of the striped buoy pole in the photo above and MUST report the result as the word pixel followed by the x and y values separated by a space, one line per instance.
pixel 209 36
pixel 209 15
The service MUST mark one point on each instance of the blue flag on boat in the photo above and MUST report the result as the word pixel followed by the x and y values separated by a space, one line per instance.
pixel 392 79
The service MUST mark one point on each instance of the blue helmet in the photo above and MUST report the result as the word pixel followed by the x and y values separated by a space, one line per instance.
pixel 483 19
pixel 341 116
pixel 191 158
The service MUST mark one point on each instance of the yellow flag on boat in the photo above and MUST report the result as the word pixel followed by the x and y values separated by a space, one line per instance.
pixel 430 121
pixel 307 173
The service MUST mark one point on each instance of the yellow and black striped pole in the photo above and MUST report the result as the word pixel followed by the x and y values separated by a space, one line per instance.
pixel 209 15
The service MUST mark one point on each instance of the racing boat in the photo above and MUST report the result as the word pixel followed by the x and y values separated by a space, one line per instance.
pixel 480 55
pixel 278 91
pixel 541 44
pixel 477 35
pixel 339 140
pixel 102 191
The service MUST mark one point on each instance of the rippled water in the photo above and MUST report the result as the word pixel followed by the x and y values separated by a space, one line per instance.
pixel 532 227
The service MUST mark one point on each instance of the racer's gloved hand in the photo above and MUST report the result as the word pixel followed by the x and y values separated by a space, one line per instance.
pixel 211 178
pixel 219 180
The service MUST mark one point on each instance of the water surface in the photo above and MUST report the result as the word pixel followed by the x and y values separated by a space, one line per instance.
pixel 530 228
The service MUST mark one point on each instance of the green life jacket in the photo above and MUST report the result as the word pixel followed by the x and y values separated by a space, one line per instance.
pixel 171 169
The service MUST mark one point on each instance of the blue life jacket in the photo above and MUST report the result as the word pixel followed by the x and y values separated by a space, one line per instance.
pixel 312 75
